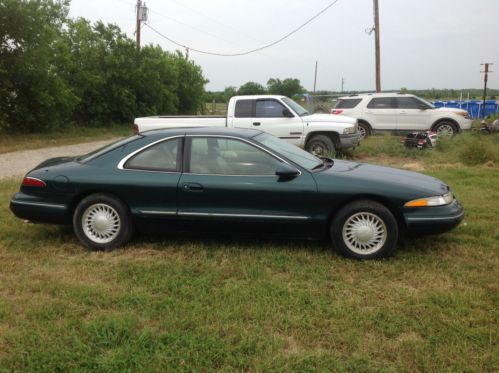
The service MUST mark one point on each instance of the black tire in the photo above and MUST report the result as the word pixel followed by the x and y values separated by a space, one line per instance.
pixel 364 229
pixel 445 128
pixel 365 130
pixel 320 145
pixel 102 222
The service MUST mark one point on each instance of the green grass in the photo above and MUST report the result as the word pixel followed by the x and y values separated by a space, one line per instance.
pixel 66 136
pixel 194 304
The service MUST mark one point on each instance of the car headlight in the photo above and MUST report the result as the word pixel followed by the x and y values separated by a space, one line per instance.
pixel 431 201
pixel 349 130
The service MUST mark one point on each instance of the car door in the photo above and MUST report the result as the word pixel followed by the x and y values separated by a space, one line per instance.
pixel 231 180
pixel 410 115
pixel 243 113
pixel 381 113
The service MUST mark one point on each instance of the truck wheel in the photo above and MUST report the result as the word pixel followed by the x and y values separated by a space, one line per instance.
pixel 320 145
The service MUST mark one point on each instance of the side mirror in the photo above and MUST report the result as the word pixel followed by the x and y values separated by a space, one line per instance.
pixel 423 107
pixel 287 113
pixel 286 171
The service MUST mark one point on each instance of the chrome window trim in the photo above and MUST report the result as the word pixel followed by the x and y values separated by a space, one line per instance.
pixel 41 204
pixel 249 143
pixel 126 158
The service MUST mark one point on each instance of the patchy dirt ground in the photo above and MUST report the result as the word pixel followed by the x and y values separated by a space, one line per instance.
pixel 18 163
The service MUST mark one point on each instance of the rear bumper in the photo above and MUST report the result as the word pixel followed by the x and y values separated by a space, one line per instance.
pixel 349 141
pixel 434 219
pixel 37 210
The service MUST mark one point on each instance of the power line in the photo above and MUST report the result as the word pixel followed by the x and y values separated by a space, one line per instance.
pixel 249 51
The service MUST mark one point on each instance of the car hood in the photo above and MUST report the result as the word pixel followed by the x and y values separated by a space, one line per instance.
pixel 341 119
pixel 367 178
pixel 450 110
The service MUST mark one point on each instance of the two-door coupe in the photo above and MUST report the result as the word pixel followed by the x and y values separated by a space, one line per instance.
pixel 232 180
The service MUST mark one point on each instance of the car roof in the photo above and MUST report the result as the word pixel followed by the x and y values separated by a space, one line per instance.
pixel 217 131
pixel 374 94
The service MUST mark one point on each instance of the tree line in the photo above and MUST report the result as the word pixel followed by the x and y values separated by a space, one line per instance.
pixel 56 71
pixel 287 87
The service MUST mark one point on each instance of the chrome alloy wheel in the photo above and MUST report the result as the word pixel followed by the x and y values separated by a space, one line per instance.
pixel 364 233
pixel 363 132
pixel 101 223
pixel 445 130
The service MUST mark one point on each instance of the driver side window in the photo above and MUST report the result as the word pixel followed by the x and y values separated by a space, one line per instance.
pixel 223 156
pixel 269 109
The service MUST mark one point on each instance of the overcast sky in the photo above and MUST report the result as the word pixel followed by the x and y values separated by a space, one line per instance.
pixel 424 43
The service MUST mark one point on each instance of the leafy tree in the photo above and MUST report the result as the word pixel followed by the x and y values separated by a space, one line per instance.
pixel 251 88
pixel 229 92
pixel 287 87
pixel 33 94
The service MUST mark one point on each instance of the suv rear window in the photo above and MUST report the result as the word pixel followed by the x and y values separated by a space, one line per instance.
pixel 349 103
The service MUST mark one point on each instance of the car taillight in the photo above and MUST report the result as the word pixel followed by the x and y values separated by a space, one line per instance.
pixel 336 111
pixel 135 129
pixel 33 182
pixel 421 142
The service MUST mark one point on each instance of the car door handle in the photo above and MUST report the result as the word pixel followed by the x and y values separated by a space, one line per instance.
pixel 256 123
pixel 192 187
pixel 403 112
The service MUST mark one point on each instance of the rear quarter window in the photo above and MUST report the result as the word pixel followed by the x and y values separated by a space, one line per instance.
pixel 244 109
pixel 349 103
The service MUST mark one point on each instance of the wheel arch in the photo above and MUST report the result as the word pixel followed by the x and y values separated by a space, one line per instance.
pixel 334 136
pixel 452 121
pixel 80 196
pixel 363 121
pixel 373 197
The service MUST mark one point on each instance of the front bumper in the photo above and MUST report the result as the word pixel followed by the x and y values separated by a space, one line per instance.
pixel 39 210
pixel 434 219
pixel 350 140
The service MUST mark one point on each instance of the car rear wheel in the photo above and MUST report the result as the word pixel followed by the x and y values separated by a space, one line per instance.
pixel 445 129
pixel 364 130
pixel 102 222
pixel 364 229
pixel 320 145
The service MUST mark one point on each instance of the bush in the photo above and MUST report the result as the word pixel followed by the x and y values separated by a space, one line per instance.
pixel 477 150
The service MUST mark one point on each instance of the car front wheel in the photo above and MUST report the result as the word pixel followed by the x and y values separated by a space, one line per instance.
pixel 445 129
pixel 102 222
pixel 320 145
pixel 364 229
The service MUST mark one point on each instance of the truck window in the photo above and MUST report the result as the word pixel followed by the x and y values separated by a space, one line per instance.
pixel 269 109
pixel 244 109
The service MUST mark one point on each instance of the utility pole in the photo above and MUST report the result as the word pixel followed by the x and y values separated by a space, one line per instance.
pixel 141 17
pixel 315 76
pixel 485 78
pixel 376 46
pixel 342 83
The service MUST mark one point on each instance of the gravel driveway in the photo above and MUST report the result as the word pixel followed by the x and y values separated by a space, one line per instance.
pixel 20 162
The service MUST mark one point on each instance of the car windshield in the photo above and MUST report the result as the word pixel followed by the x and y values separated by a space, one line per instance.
pixel 292 152
pixel 426 102
pixel 98 152
pixel 297 108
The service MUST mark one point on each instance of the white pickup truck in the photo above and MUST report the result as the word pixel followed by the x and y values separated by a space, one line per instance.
pixel 277 115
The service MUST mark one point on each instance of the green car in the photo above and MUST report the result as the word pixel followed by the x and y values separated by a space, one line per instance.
pixel 232 181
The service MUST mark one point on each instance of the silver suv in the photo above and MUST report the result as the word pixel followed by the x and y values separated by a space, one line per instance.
pixel 400 112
